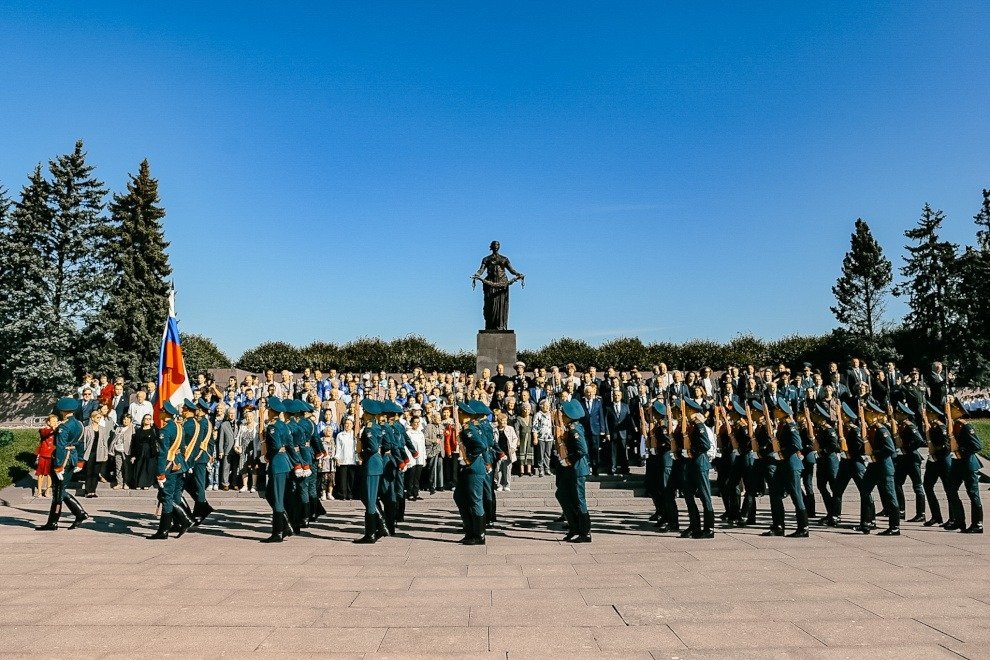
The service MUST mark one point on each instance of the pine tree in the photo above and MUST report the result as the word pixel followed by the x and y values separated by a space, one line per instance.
pixel 135 312
pixel 983 220
pixel 861 290
pixel 33 343
pixel 931 283
pixel 971 303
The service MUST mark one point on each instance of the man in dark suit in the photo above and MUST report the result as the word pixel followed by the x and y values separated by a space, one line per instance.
pixel 620 427
pixel 87 406
pixel 678 389
pixel 856 375
pixel 938 384
pixel 594 424
pixel 120 402
pixel 710 384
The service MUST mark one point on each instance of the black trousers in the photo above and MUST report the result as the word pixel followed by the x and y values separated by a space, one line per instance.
pixel 344 482
pixel 938 470
pixel 93 471
pixel 909 466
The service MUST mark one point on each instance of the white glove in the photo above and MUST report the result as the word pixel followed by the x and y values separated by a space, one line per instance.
pixel 76 469
pixel 161 482
pixel 298 472
pixel 307 473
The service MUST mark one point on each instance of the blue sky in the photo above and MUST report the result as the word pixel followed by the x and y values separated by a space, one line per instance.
pixel 662 170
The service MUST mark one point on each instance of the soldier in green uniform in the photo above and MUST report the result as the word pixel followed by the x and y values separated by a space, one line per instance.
pixel 298 505
pixel 855 469
pixel 938 468
pixel 372 467
pixel 746 468
pixel 316 452
pixel 787 478
pixel 469 493
pixel 880 472
pixel 191 439
pixel 908 463
pixel 65 461
pixel 660 468
pixel 765 465
pixel 493 454
pixel 277 441
pixel 829 458
pixel 171 467
pixel 574 473
pixel 202 457
pixel 966 467
pixel 696 468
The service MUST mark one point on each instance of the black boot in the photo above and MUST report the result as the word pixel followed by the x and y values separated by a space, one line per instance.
pixel 183 522
pixel 935 520
pixel 76 508
pixel 584 528
pixel 478 529
pixel 286 527
pixel 278 522
pixel 163 526
pixel 369 529
pixel 316 510
pixel 380 530
pixel 802 526
pixel 708 529
pixel 305 509
pixel 53 515
pixel 919 510
pixel 977 526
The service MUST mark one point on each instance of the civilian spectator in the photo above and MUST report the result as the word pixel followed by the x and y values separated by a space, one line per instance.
pixel 120 448
pixel 144 450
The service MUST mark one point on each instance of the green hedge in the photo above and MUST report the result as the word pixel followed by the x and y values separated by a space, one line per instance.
pixel 17 448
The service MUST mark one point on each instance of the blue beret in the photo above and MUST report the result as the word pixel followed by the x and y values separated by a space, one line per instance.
pixel 572 409
pixel 186 403
pixel 903 407
pixel 738 408
pixel 659 408
pixel 66 404
pixel 466 408
pixel 783 406
pixel 756 405
pixel 371 407
pixel 693 405
pixel 274 403
pixel 169 409
pixel 848 412
pixel 203 405
pixel 875 408
pixel 935 410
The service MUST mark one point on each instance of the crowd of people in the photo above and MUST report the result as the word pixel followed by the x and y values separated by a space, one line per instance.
pixel 628 418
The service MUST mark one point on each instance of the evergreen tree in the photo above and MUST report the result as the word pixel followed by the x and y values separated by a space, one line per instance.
pixel 33 343
pixel 861 290
pixel 931 283
pixel 983 220
pixel 971 303
pixel 135 311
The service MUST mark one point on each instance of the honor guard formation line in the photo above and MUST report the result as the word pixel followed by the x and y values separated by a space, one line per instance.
pixel 764 434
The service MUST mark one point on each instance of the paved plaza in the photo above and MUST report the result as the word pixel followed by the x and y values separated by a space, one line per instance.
pixel 103 590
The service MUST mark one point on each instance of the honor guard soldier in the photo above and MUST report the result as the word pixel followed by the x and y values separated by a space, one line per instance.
pixel 372 468
pixel 171 468
pixel 293 490
pixel 202 457
pixel 741 459
pixel 316 451
pixel 469 492
pixel 938 468
pixel 787 479
pixel 907 464
pixel 660 470
pixel 571 493
pixel 65 461
pixel 829 458
pixel 190 440
pixel 493 454
pixel 403 448
pixel 880 472
pixel 746 468
pixel 298 507
pixel 696 467
pixel 765 465
pixel 277 441
pixel 966 465
pixel 859 457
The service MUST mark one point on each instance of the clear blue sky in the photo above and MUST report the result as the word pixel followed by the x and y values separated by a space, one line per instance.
pixel 663 170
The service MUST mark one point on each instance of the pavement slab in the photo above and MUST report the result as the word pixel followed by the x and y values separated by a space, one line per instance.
pixel 631 593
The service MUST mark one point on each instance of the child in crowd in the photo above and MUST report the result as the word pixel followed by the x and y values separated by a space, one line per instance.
pixel 46 448
pixel 327 464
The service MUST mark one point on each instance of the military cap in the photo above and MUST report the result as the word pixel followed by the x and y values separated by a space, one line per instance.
pixel 291 406
pixel 934 410
pixel 481 408
pixel 783 407
pixel 756 405
pixel 274 403
pixel 371 407
pixel 203 405
pixel 738 409
pixel 186 403
pixel 66 404
pixel 572 409
pixel 693 405
pixel 169 409
pixel 466 408
pixel 848 413
pixel 904 409
pixel 822 413
pixel 659 408
pixel 874 408
pixel 958 411
pixel 392 408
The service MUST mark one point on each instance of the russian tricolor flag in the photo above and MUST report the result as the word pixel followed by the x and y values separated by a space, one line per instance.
pixel 173 381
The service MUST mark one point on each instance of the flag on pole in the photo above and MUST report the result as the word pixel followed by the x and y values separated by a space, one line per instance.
pixel 173 381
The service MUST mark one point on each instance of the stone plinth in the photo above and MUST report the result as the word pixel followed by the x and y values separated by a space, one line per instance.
pixel 495 346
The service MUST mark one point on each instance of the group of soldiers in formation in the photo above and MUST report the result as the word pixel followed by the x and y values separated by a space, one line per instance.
pixel 769 446
pixel 765 444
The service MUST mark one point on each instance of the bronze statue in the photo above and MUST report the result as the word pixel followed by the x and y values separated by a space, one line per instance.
pixel 496 287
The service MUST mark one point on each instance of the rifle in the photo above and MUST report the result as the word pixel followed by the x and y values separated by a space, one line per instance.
pixel 926 426
pixel 953 443
pixel 558 437
pixel 751 428
pixel 357 436
pixel 461 449
pixel 725 428
pixel 685 434
pixel 771 430
pixel 811 428
pixel 840 427
pixel 643 429
pixel 867 445
pixel 898 442
pixel 675 446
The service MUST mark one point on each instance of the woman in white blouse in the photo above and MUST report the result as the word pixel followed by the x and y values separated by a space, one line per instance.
pixel 248 446
pixel 346 459
pixel 417 435
pixel 508 442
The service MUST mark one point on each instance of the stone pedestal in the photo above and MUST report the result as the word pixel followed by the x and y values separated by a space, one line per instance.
pixel 495 346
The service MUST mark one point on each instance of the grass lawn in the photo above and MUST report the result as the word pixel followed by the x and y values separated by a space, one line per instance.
pixel 983 430
pixel 17 459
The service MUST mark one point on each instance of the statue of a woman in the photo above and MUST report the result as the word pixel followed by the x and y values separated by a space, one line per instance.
pixel 496 287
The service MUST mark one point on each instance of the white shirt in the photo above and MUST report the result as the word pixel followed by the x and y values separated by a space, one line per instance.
pixel 137 411
pixel 418 438
pixel 345 448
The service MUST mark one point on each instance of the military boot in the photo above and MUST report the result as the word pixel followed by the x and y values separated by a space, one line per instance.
pixel 53 515
pixel 77 510
pixel 278 521
pixel 163 526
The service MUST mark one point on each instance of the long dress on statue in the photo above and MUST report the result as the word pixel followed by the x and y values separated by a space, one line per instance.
pixel 496 289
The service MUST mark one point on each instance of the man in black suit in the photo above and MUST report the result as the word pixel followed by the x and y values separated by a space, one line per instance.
pixel 938 384
pixel 678 389
pixel 87 406
pixel 594 424
pixel 710 384
pixel 620 427
pixel 120 402
pixel 856 375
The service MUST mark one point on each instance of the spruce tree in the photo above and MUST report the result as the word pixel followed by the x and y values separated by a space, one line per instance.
pixel 135 312
pixel 34 351
pixel 931 283
pixel 861 290
pixel 971 303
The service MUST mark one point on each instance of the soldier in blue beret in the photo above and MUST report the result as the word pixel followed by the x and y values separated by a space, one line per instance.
pixel 965 471
pixel 493 454
pixel 787 478
pixel 277 441
pixel 171 467
pixel 880 471
pixel 297 491
pixel 372 467
pixel 907 464
pixel 938 468
pixel 696 468
pixel 469 492
pixel 65 460
pixel 199 458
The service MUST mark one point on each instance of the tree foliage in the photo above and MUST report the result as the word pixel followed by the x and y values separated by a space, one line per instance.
pixel 201 354
pixel 861 290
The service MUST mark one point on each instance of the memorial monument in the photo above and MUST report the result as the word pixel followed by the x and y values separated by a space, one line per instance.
pixel 496 343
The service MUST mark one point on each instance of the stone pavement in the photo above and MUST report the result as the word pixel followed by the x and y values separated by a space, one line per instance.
pixel 103 590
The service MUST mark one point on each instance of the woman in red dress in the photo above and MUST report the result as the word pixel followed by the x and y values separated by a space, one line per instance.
pixel 46 448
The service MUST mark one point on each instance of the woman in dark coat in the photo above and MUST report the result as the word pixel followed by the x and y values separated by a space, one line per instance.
pixel 144 448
